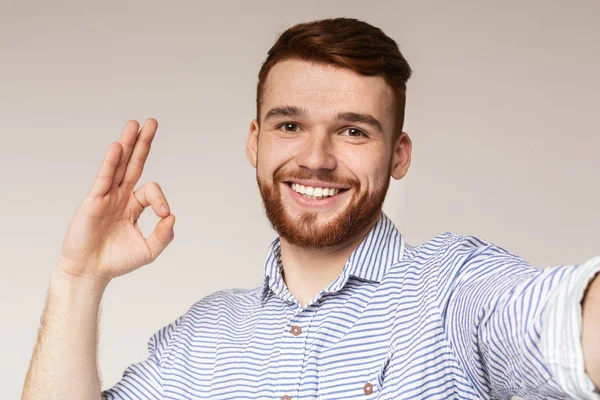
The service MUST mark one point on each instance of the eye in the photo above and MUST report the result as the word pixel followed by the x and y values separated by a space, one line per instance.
pixel 353 132
pixel 288 127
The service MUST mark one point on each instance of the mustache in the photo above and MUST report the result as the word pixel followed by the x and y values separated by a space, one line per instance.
pixel 320 175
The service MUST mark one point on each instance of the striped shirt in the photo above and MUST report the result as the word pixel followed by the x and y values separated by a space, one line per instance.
pixel 454 318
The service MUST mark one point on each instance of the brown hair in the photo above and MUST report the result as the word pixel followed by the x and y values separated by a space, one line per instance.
pixel 345 42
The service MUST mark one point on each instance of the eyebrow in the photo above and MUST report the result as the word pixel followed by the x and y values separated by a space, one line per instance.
pixel 366 119
pixel 286 111
pixel 293 111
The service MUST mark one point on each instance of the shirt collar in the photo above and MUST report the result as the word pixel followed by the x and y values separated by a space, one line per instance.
pixel 382 247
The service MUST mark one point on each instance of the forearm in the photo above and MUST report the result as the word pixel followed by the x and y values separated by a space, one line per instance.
pixel 64 362
pixel 591 331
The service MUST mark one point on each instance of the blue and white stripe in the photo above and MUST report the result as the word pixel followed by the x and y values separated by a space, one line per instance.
pixel 454 318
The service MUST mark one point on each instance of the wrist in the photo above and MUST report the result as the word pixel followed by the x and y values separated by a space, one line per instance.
pixel 77 285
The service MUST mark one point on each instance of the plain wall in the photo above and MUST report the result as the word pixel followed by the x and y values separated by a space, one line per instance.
pixel 502 110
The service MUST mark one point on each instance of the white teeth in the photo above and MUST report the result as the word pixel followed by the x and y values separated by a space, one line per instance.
pixel 314 192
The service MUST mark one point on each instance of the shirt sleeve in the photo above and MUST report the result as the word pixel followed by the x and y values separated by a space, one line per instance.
pixel 497 311
pixel 143 380
pixel 561 333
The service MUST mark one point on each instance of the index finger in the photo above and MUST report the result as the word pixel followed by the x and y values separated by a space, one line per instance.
pixel 139 154
pixel 127 140
pixel 105 175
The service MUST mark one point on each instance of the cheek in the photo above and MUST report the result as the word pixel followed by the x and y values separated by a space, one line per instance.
pixel 369 165
pixel 271 157
pixel 381 174
pixel 276 152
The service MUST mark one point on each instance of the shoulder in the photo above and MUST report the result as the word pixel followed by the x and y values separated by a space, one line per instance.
pixel 448 256
pixel 420 263
pixel 437 247
pixel 454 248
pixel 235 303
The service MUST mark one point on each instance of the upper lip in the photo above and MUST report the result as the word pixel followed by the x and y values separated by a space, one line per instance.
pixel 317 184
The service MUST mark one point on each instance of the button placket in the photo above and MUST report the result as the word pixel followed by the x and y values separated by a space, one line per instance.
pixel 293 351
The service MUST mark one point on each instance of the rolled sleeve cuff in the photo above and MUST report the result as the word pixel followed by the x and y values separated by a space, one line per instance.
pixel 561 332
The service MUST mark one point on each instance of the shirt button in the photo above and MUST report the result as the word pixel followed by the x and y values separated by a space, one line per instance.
pixel 368 388
pixel 286 397
pixel 296 330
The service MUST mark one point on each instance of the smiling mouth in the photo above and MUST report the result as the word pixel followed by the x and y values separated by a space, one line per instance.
pixel 315 193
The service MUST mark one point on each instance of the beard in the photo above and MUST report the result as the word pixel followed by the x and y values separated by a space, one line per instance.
pixel 304 230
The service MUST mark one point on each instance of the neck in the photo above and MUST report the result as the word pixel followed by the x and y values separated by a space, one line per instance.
pixel 307 271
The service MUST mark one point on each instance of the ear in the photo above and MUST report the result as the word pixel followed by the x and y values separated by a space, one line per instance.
pixel 252 143
pixel 401 157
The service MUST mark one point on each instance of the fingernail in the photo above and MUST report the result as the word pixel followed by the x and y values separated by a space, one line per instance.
pixel 164 208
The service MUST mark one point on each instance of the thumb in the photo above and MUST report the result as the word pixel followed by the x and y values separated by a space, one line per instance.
pixel 162 235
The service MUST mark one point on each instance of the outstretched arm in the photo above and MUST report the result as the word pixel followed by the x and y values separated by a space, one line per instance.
pixel 519 330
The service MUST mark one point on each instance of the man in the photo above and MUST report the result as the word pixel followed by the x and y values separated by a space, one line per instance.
pixel 348 309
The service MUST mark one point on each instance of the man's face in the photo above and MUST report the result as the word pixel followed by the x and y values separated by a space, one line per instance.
pixel 324 151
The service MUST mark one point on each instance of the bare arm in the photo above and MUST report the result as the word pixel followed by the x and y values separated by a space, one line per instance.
pixel 103 242
pixel 64 363
pixel 591 331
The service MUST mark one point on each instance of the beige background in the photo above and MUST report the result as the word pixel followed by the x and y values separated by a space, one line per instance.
pixel 502 109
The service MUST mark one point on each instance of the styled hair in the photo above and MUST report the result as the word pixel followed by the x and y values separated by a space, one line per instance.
pixel 344 42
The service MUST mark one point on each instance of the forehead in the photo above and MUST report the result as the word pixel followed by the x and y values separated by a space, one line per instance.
pixel 326 90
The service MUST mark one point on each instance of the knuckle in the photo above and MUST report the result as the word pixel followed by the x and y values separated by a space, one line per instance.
pixel 110 162
pixel 153 185
pixel 155 192
pixel 146 141
pixel 137 162
pixel 155 188
pixel 104 178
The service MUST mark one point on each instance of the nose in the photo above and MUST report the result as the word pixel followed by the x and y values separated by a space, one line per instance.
pixel 317 153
